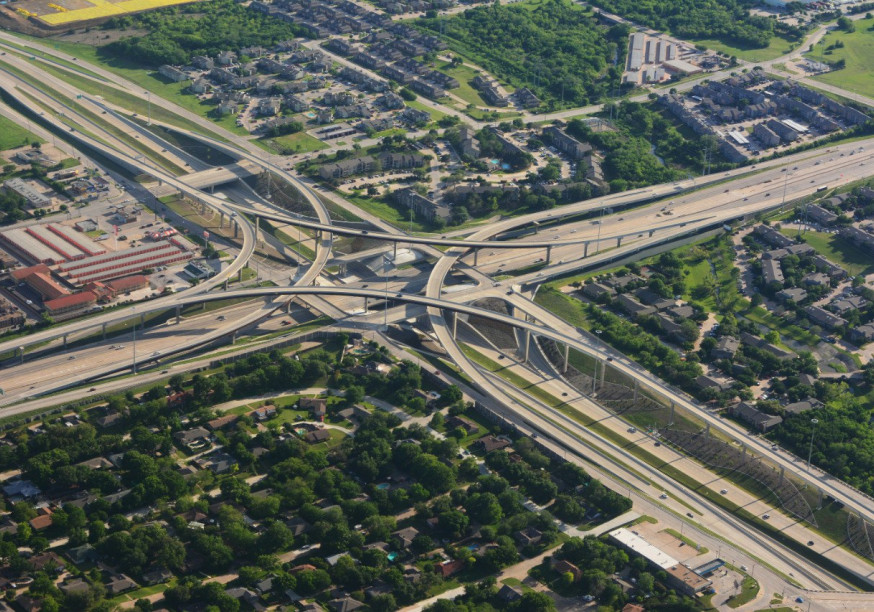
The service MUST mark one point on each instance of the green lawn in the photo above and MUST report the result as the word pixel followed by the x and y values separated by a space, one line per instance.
pixel 749 591
pixel 464 74
pixel 300 142
pixel 436 115
pixel 858 52
pixel 13 135
pixel 837 250
pixel 777 47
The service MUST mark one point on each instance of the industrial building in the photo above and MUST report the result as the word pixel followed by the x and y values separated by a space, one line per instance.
pixel 124 263
pixel 29 191
pixel 49 244
pixel 679 576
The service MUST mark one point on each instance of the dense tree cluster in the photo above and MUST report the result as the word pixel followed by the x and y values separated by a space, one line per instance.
pixel 555 48
pixel 177 34
pixel 728 21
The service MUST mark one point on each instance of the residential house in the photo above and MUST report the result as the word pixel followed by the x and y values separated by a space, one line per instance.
pixel 317 406
pixel 421 205
pixel 197 437
pixel 771 271
pixel 862 334
pixel 567 144
pixel 528 536
pixel 595 291
pixel 751 415
pixel 263 413
pixel 172 73
pixel 317 436
pixel 469 427
pixel 823 317
pixel 633 307
pixel 709 382
pixel 563 567
pixel 821 215
pixel 792 295
pixel 491 443
pixel 404 537
pixel 347 167
pixel 509 594
pixel 222 422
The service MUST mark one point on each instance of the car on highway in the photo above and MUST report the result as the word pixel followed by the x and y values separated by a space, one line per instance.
pixel 723 491
pixel 766 516
pixel 689 514
pixel 663 496
pixel 93 389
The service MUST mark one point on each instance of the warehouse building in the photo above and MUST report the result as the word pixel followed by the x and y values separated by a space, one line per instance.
pixel 49 244
pixel 124 263
pixel 679 576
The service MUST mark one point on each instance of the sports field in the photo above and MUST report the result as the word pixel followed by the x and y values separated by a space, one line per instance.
pixel 62 12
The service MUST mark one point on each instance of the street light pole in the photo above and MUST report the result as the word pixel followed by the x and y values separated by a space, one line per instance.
pixel 385 261
pixel 134 365
pixel 810 452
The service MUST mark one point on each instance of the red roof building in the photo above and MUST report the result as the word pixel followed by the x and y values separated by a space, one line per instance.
pixel 128 283
pixel 39 278
pixel 70 303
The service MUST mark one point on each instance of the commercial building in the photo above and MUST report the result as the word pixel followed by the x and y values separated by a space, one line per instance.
pixel 679 576
pixel 39 278
pixel 30 191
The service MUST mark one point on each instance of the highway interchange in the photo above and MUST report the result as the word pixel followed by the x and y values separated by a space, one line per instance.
pixel 695 207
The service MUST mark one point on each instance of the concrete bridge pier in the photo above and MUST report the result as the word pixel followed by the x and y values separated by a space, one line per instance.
pixel 585 249
pixel 233 337
pixel 178 315
pixel 454 324
pixel 636 387
pixel 651 232
pixel 104 329
pixel 143 319
pixel 395 253
pixel 549 254
pixel 475 257
pixel 221 219
pixel 288 307
pixel 618 241
pixel 226 283
pixel 671 418
pixel 594 378
pixel 367 304
pixel 236 228
pixel 257 227
pixel 65 342
pixel 20 352
pixel 782 473
pixel 240 275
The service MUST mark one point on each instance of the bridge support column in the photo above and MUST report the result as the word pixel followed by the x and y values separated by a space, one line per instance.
pixel 240 275
pixel 226 283
pixel 221 219
pixel 671 418
pixel 821 496
pixel 475 257
pixel 636 387
pixel 21 353
pixel 203 306
pixel 618 241
pixel 65 342
pixel 143 319
pixel 234 338
pixel 104 330
pixel 585 249
pixel 395 254
pixel 454 324
pixel 236 228
pixel 527 344
pixel 595 377
pixel 651 232
pixel 288 307
pixel 178 315
pixel 367 304
pixel 257 227
pixel 548 254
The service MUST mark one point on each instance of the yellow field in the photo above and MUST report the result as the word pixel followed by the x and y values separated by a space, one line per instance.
pixel 102 8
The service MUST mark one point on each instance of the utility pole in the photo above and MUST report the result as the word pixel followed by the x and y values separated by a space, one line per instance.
pixel 812 434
